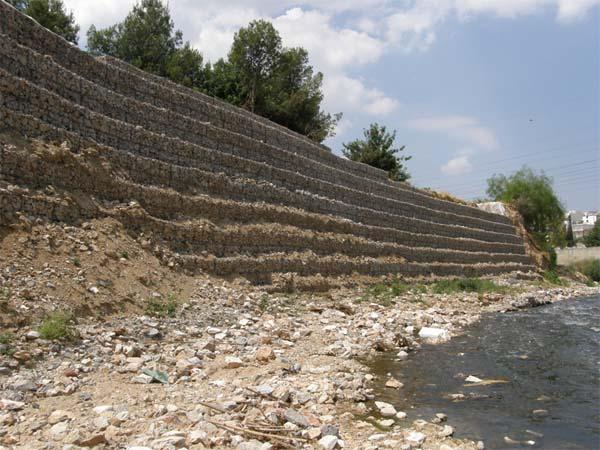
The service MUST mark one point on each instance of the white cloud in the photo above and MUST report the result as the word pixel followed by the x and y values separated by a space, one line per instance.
pixel 464 128
pixel 101 14
pixel 500 8
pixel 327 45
pixel 457 166
pixel 572 10
pixel 214 34
pixel 412 26
pixel 340 35
pixel 343 126
pixel 343 93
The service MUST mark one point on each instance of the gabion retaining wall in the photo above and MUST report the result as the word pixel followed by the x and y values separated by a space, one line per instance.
pixel 218 188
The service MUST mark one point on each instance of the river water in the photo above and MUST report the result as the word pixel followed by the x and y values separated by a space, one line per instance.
pixel 550 358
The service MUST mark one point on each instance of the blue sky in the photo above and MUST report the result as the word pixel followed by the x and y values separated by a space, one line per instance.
pixel 473 87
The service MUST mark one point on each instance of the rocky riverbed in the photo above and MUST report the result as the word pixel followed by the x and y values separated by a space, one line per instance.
pixel 238 367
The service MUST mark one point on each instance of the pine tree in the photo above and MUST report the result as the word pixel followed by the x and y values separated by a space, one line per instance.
pixel 376 150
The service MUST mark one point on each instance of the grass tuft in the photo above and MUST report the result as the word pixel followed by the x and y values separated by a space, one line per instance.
pixel 158 307
pixel 6 338
pixel 552 277
pixel 385 293
pixel 5 347
pixel 467 285
pixel 263 303
pixel 58 325
pixel 589 267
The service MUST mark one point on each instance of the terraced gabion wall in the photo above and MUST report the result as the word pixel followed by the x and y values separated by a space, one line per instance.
pixel 116 132
pixel 26 98
pixel 127 82
pixel 219 188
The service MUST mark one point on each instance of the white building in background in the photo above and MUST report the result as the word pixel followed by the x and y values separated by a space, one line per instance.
pixel 589 218
pixel 582 222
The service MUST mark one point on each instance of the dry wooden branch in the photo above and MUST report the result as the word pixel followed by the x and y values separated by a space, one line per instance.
pixel 276 437
pixel 214 407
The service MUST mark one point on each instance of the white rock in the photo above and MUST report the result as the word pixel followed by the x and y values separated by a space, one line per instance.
pixel 434 335
pixel 59 430
pixel 400 415
pixel 385 409
pixel 328 442
pixel 265 389
pixel 415 438
pixel 254 445
pixel 101 422
pixel 493 207
pixel 472 379
pixel 58 416
pixel 197 436
pixel 402 355
pixel 377 437
pixel 394 384
pixel 32 335
pixel 11 405
pixel 387 423
pixel 142 379
pixel 101 409
pixel 313 433
pixel 233 362
pixel 447 431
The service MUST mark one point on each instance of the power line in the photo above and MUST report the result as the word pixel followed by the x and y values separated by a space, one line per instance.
pixel 544 170
pixel 586 178
pixel 555 178
pixel 557 168
pixel 542 152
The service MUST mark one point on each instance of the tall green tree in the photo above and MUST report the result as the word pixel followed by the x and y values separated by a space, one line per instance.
pixel 147 39
pixel 273 81
pixel 255 54
pixel 534 197
pixel 593 238
pixel 186 66
pixel 295 95
pixel 223 81
pixel 377 149
pixel 50 14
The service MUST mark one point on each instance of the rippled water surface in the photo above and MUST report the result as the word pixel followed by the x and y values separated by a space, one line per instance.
pixel 551 358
